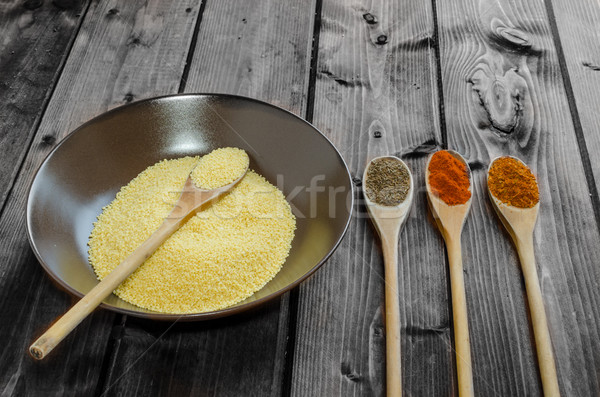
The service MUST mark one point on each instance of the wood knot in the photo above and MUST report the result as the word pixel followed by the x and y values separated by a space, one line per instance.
pixel 501 96
pixel 357 181
pixel 48 139
pixel 377 134
pixel 420 150
pixel 476 165
pixel 134 41
pixel 349 374
pixel 382 39
pixel 32 4
pixel 510 35
pixel 591 66
pixel 370 18
pixel 112 12
pixel 128 97
pixel 64 4
pixel 353 81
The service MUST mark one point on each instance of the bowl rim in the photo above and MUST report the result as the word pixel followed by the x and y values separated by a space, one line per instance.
pixel 186 316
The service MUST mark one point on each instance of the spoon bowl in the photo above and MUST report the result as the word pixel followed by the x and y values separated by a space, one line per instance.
pixel 389 219
pixel 449 218
pixel 519 222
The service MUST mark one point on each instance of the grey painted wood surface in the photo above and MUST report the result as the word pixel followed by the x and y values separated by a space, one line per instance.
pixel 482 77
pixel 36 39
pixel 504 94
pixel 578 36
pixel 259 50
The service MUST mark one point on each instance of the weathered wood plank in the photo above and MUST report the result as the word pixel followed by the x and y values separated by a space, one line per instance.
pixel 238 356
pixel 577 24
pixel 123 48
pixel 504 95
pixel 254 49
pixel 376 94
pixel 36 38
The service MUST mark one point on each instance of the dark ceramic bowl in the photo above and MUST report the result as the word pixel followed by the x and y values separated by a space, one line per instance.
pixel 88 168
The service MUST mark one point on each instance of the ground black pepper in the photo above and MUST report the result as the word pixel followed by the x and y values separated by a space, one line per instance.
pixel 387 182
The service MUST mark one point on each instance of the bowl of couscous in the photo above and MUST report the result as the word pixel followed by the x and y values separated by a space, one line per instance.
pixel 83 213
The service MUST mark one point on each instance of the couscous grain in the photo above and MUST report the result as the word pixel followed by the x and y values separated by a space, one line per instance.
pixel 221 256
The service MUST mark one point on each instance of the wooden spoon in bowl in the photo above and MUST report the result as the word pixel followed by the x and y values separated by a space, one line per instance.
pixel 450 220
pixel 388 221
pixel 191 200
pixel 520 223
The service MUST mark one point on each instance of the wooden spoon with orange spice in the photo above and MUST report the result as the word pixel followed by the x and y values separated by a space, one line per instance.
pixel 514 194
pixel 448 184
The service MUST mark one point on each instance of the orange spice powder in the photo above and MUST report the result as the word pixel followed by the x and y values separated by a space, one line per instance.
pixel 449 178
pixel 512 182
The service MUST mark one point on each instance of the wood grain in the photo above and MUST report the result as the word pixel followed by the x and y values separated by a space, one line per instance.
pixel 376 94
pixel 36 39
pixel 105 64
pixel 256 50
pixel 504 95
pixel 577 24
pixel 260 50
pixel 237 356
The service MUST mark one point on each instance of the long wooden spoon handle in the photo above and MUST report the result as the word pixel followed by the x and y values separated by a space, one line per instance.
pixel 392 318
pixel 538 318
pixel 64 325
pixel 464 369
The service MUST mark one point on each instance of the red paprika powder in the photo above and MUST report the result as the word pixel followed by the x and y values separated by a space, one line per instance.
pixel 449 178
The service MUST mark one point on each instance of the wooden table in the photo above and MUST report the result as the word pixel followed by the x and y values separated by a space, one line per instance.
pixel 482 77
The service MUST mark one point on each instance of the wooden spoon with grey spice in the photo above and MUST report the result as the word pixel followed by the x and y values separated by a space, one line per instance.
pixel 389 195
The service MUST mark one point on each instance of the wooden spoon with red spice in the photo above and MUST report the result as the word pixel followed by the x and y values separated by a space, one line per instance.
pixel 514 194
pixel 448 181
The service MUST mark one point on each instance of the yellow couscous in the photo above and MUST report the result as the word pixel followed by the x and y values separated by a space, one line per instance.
pixel 221 256
pixel 220 167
